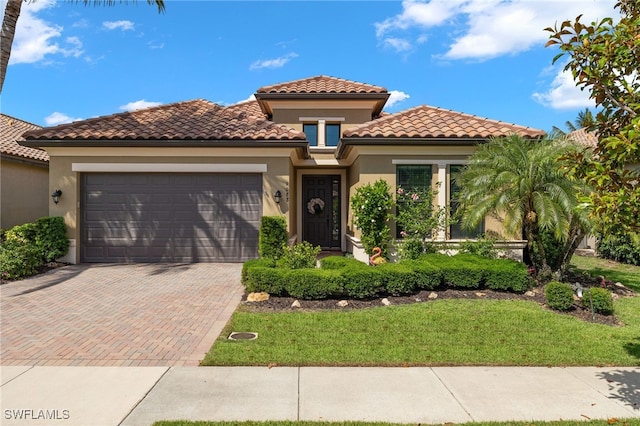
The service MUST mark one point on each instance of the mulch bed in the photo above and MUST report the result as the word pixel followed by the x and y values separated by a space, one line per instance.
pixel 284 304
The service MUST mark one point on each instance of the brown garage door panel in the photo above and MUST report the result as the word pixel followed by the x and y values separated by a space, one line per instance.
pixel 162 217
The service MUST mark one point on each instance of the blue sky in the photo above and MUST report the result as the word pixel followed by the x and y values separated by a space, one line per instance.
pixel 481 57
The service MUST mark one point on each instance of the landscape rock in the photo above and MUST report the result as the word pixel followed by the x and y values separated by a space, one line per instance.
pixel 342 303
pixel 257 297
pixel 530 293
pixel 433 295
pixel 295 304
pixel 480 294
pixel 385 302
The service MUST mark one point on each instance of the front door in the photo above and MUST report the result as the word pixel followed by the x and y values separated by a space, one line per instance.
pixel 321 210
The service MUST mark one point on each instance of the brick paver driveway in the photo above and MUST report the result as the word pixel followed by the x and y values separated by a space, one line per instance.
pixel 117 315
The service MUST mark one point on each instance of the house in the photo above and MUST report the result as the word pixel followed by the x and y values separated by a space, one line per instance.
pixel 24 175
pixel 190 181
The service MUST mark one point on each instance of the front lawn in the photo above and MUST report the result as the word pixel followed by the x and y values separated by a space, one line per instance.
pixel 629 275
pixel 440 332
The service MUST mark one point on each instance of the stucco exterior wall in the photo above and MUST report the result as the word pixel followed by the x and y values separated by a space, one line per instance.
pixel 62 177
pixel 24 192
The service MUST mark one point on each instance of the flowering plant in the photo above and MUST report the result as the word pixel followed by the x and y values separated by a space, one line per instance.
pixel 315 206
pixel 416 214
pixel 371 206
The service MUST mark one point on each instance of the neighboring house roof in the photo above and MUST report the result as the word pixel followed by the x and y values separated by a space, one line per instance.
pixel 584 137
pixel 430 122
pixel 321 84
pixel 196 120
pixel 11 130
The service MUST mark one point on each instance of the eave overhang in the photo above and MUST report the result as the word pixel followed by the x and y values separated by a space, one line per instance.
pixel 347 143
pixel 302 146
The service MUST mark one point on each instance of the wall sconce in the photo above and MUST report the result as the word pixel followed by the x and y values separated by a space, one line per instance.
pixel 56 196
pixel 277 196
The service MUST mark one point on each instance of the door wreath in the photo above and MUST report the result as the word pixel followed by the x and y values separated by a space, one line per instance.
pixel 315 206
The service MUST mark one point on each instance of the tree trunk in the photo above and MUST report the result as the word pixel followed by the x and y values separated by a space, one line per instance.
pixel 11 14
pixel 576 234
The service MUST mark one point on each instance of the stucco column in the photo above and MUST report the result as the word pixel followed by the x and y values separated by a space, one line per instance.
pixel 442 194
pixel 322 140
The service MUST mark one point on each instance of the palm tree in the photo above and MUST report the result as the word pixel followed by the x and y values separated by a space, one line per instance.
pixel 11 15
pixel 519 181
pixel 585 120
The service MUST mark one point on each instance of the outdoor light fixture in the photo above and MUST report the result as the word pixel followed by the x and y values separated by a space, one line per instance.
pixel 277 196
pixel 56 196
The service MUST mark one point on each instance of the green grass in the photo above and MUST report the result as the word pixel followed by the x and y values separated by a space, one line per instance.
pixel 441 332
pixel 629 275
pixel 614 422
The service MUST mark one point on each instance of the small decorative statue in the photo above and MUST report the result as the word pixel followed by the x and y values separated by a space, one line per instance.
pixel 376 258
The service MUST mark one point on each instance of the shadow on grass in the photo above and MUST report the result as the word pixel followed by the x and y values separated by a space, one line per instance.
pixel 624 386
pixel 629 279
pixel 633 348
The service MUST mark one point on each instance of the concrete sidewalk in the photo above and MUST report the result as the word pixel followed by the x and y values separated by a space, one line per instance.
pixel 138 396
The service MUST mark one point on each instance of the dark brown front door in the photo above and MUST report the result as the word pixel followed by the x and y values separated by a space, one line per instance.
pixel 321 210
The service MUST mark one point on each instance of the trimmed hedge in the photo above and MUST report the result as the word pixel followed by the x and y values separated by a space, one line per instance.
pixel 347 277
pixel 273 237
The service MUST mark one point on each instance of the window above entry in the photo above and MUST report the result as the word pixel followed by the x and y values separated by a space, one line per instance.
pixel 322 132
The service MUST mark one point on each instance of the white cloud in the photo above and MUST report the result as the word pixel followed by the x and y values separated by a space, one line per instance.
pixel 118 25
pixel 155 45
pixel 563 94
pixel 59 118
pixel 273 63
pixel 395 97
pixel 35 39
pixel 398 44
pixel 490 28
pixel 141 104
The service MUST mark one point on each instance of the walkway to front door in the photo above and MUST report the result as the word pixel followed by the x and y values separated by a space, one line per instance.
pixel 321 210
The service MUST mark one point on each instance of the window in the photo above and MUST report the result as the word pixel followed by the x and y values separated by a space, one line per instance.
pixel 412 177
pixel 455 230
pixel 311 130
pixel 332 132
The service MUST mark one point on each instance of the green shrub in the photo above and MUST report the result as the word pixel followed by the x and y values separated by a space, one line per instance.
pixel 271 280
pixel 461 271
pixel 398 278
pixel 255 263
pixel 507 275
pixel 314 283
pixel 621 248
pixel 298 256
pixel 410 249
pixel 340 262
pixel 22 234
pixel 484 247
pixel 428 276
pixel 371 205
pixel 51 238
pixel 559 295
pixel 363 283
pixel 18 260
pixel 273 237
pixel 598 299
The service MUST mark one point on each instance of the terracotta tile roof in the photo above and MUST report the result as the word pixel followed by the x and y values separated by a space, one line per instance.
pixel 191 120
pixel 583 137
pixel 11 130
pixel 431 122
pixel 321 84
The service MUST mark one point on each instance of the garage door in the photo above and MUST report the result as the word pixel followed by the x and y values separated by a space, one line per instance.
pixel 170 217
